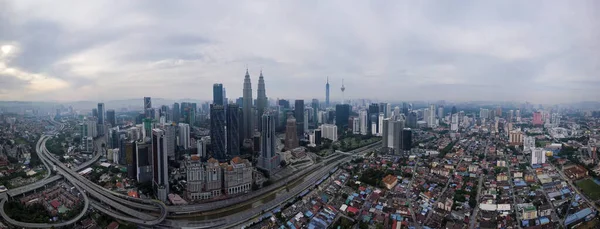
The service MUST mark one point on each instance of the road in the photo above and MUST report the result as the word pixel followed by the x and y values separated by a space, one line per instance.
pixel 512 191
pixel 441 194
pixel 237 219
pixel 473 218
pixel 573 187
pixel 412 210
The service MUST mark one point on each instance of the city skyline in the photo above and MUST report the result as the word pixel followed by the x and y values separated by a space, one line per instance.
pixel 480 50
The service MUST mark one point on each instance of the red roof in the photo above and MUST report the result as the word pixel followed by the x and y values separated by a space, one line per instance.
pixel 113 225
pixel 353 210
pixel 55 204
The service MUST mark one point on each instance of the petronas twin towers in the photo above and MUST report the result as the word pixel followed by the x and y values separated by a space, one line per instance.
pixel 247 101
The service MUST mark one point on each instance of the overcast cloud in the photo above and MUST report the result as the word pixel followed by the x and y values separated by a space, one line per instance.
pixel 539 51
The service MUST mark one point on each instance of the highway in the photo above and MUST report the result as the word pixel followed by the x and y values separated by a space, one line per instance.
pixel 239 218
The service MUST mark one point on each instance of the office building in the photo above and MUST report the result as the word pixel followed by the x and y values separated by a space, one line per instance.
pixel 306 112
pixel 248 114
pixel 165 113
pixel 170 133
pixel 342 114
pixel 218 94
pixel 184 135
pixel 217 131
pixel 233 130
pixel 291 136
pixel 143 162
pixel 318 137
pixel 372 117
pixel 147 103
pixel 440 112
pixel 268 160
pixel 284 103
pixel 95 112
pixel 131 159
pixel 160 168
pixel 101 118
pixel 412 119
pixel 176 113
pixel 111 118
pixel 237 176
pixel 329 132
pixel 454 122
pixel 299 115
pixel 406 139
pixel 315 107
pixel 261 99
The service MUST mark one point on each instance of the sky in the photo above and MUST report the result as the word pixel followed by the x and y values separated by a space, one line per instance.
pixel 538 51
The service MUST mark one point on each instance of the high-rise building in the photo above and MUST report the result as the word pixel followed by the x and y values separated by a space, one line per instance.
pixel 372 117
pixel 385 133
pixel 327 93
pixel 217 131
pixel 528 143
pixel 164 112
pixel 261 98
pixel 537 118
pixel 160 168
pixel 380 123
pixel 299 115
pixel 538 156
pixel 201 147
pixel 248 117
pixel 111 117
pixel 355 125
pixel 170 132
pixel 397 138
pixel 237 176
pixel 315 106
pixel 101 116
pixel 412 119
pixel 406 139
pixel 268 159
pixel 362 116
pixel 233 130
pixel 131 159
pixel 305 127
pixel 515 137
pixel 454 111
pixel 440 112
pixel 176 113
pixel 147 103
pixel 284 103
pixel 431 116
pixel 95 112
pixel 342 114
pixel 454 122
pixel 184 135
pixel 329 131
pixel 291 136
pixel 144 161
pixel 218 94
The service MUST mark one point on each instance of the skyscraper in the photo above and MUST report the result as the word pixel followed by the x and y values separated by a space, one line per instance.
pixel 315 106
pixel 362 115
pixel 217 131
pixel 111 118
pixel 291 136
pixel 184 135
pixel 143 162
pixel 327 93
pixel 248 128
pixel 160 168
pixel 164 112
pixel 299 115
pixel 148 107
pixel 406 139
pixel 95 112
pixel 101 121
pixel 268 159
pixel 372 117
pixel 218 94
pixel 176 113
pixel 261 98
pixel 342 114
pixel 233 130
pixel 440 112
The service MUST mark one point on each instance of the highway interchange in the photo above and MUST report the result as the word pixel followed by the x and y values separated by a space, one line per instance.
pixel 137 211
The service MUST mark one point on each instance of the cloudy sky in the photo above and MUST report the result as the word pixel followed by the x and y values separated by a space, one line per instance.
pixel 539 51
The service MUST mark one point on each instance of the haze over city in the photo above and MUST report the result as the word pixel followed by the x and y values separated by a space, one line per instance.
pixel 537 51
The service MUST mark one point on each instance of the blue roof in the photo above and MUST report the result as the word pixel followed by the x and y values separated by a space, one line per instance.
pixel 577 216
pixel 544 220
